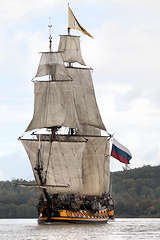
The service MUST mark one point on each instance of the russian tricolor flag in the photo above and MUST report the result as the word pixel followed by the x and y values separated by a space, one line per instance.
pixel 120 152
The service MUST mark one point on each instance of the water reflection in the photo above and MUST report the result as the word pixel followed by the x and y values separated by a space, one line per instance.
pixel 120 229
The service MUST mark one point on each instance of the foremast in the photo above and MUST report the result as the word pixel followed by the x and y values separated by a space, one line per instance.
pixel 55 128
pixel 39 167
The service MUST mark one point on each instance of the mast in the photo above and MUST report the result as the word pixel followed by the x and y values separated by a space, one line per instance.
pixel 50 36
pixel 39 170
pixel 50 43
pixel 68 22
pixel 71 130
pixel 67 99
pixel 53 129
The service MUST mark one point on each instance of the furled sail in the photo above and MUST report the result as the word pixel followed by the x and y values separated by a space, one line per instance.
pixel 51 63
pixel 54 105
pixel 82 165
pixel 84 97
pixel 70 47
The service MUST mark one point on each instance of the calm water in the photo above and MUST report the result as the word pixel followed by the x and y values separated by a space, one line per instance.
pixel 28 229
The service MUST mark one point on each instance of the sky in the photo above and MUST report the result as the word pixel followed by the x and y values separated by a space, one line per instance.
pixel 124 55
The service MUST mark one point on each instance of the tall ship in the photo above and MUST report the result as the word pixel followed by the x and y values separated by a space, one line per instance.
pixel 70 158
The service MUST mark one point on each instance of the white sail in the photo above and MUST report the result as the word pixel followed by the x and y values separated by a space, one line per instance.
pixel 69 103
pixel 70 47
pixel 68 99
pixel 61 161
pixel 83 165
pixel 89 130
pixel 84 97
pixel 54 105
pixel 96 172
pixel 51 63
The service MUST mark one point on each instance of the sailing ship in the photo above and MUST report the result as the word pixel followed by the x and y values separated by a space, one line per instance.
pixel 68 154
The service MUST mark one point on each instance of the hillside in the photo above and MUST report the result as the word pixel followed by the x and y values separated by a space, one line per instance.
pixel 16 201
pixel 136 193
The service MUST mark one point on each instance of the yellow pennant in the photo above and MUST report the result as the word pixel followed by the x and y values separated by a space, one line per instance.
pixel 74 24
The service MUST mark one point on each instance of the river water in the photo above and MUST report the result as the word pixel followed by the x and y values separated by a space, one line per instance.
pixel 119 229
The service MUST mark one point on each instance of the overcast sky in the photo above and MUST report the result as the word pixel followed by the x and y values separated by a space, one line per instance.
pixel 124 54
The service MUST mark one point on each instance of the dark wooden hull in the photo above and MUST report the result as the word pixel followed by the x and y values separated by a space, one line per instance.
pixel 53 220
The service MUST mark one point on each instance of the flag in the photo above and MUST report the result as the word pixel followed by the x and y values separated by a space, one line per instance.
pixel 120 152
pixel 74 24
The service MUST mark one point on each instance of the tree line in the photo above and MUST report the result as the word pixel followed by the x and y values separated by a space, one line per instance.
pixel 136 193
pixel 17 201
